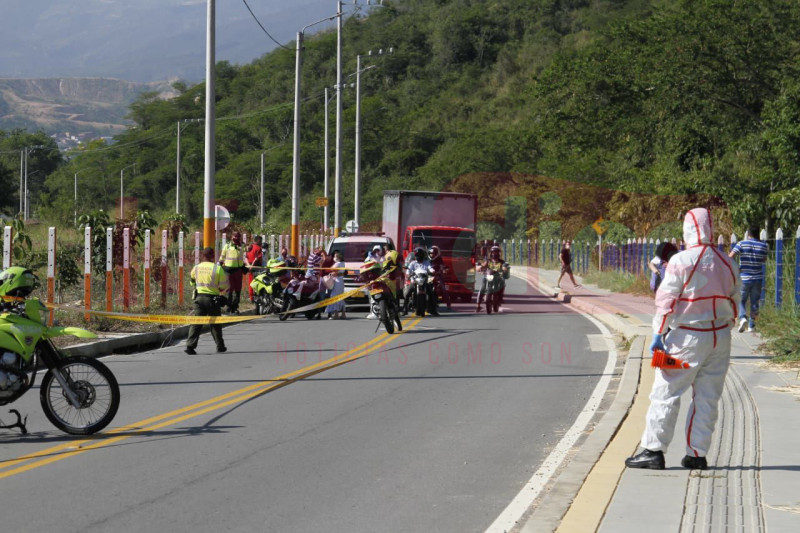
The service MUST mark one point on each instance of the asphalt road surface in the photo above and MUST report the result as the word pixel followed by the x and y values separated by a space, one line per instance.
pixel 324 425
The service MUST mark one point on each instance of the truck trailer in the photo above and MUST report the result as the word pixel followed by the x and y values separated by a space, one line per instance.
pixel 444 219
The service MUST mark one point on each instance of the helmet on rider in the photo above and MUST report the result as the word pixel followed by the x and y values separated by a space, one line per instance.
pixel 420 254
pixel 494 253
pixel 17 281
pixel 434 252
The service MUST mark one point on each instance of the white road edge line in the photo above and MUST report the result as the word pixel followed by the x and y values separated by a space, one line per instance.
pixel 511 515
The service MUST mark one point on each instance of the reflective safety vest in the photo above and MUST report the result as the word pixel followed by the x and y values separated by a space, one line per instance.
pixel 232 256
pixel 209 278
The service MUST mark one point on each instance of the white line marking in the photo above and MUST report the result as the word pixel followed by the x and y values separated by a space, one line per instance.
pixel 519 505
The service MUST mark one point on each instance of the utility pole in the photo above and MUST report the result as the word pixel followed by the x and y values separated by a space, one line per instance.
pixel 209 213
pixel 337 208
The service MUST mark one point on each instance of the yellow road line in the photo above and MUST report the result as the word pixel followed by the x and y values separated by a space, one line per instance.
pixel 52 454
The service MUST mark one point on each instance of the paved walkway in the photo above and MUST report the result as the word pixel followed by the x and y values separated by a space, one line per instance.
pixel 754 467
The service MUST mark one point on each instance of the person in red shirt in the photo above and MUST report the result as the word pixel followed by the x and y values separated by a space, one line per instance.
pixel 253 258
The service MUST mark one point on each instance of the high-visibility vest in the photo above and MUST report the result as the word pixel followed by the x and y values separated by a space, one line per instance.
pixel 209 278
pixel 232 256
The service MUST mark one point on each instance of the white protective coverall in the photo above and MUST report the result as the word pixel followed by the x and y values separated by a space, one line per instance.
pixel 696 305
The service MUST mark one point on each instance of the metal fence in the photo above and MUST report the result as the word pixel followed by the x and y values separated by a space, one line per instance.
pixel 781 270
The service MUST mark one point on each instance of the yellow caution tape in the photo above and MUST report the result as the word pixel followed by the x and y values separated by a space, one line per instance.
pixel 173 319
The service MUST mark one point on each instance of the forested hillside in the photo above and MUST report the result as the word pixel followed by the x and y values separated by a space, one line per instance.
pixel 637 97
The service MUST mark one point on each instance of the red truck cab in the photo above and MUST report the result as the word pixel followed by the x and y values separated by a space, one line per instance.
pixel 457 246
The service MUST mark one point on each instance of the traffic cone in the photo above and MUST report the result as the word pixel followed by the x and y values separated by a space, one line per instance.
pixel 662 359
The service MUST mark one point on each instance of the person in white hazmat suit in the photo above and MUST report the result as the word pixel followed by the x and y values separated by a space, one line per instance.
pixel 696 305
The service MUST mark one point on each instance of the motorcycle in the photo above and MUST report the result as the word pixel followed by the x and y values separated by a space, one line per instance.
pixel 301 291
pixel 421 296
pixel 495 287
pixel 384 305
pixel 79 395
pixel 268 287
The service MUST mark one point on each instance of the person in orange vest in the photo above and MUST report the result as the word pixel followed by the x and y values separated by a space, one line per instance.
pixel 210 282
pixel 232 261
pixel 253 258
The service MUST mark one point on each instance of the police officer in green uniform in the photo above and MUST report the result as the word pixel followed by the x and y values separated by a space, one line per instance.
pixel 232 261
pixel 210 282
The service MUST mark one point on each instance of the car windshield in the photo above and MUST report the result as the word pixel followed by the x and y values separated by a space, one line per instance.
pixel 450 242
pixel 354 252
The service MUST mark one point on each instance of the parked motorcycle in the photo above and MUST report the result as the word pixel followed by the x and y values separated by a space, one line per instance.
pixel 300 292
pixel 496 276
pixel 268 287
pixel 79 395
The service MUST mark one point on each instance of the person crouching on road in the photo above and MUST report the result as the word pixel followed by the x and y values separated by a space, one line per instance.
pixel 696 306
pixel 232 261
pixel 210 282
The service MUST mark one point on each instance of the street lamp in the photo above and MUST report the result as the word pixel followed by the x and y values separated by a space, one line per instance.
pixel 295 233
pixel 359 70
pixel 122 190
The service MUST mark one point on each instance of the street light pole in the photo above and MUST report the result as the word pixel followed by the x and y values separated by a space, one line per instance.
pixel 75 221
pixel 337 208
pixel 122 190
pixel 209 212
pixel 178 173
pixel 357 180
pixel 261 209
pixel 327 170
pixel 359 70
pixel 295 245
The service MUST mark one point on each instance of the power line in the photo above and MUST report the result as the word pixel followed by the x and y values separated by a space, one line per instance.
pixel 262 26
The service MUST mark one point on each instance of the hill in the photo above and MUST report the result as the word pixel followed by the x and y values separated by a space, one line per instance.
pixel 651 97
pixel 91 106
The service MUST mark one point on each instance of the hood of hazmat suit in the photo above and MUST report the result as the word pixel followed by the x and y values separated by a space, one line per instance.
pixel 701 285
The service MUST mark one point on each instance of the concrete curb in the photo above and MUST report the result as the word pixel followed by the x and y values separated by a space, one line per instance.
pixel 554 505
pixel 558 500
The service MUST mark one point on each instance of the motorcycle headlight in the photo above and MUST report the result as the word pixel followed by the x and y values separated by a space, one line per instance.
pixel 490 277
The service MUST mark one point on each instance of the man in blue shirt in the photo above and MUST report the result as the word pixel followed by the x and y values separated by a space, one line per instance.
pixel 752 256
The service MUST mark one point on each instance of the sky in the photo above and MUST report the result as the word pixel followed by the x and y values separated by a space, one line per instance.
pixel 142 40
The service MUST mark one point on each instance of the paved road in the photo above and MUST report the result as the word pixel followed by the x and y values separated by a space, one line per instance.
pixel 436 429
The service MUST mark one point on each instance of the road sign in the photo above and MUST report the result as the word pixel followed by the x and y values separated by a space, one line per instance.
pixel 322 201
pixel 223 217
pixel 599 226
pixel 351 226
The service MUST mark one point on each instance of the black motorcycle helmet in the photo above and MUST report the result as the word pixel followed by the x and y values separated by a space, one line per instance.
pixel 419 254
pixel 494 253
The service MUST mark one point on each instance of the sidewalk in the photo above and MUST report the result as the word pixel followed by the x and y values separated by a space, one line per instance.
pixel 754 468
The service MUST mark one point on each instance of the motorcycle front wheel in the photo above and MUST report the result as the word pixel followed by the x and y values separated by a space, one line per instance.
pixel 97 391
pixel 386 317
pixel 421 304
pixel 489 303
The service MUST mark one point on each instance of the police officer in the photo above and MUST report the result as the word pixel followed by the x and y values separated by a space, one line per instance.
pixel 232 261
pixel 210 282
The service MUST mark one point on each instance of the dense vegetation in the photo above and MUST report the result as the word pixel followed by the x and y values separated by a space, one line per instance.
pixel 639 97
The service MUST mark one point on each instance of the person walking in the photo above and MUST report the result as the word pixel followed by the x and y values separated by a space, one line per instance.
pixel 253 259
pixel 752 254
pixel 658 264
pixel 232 261
pixel 695 307
pixel 337 310
pixel 210 282
pixel 566 266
